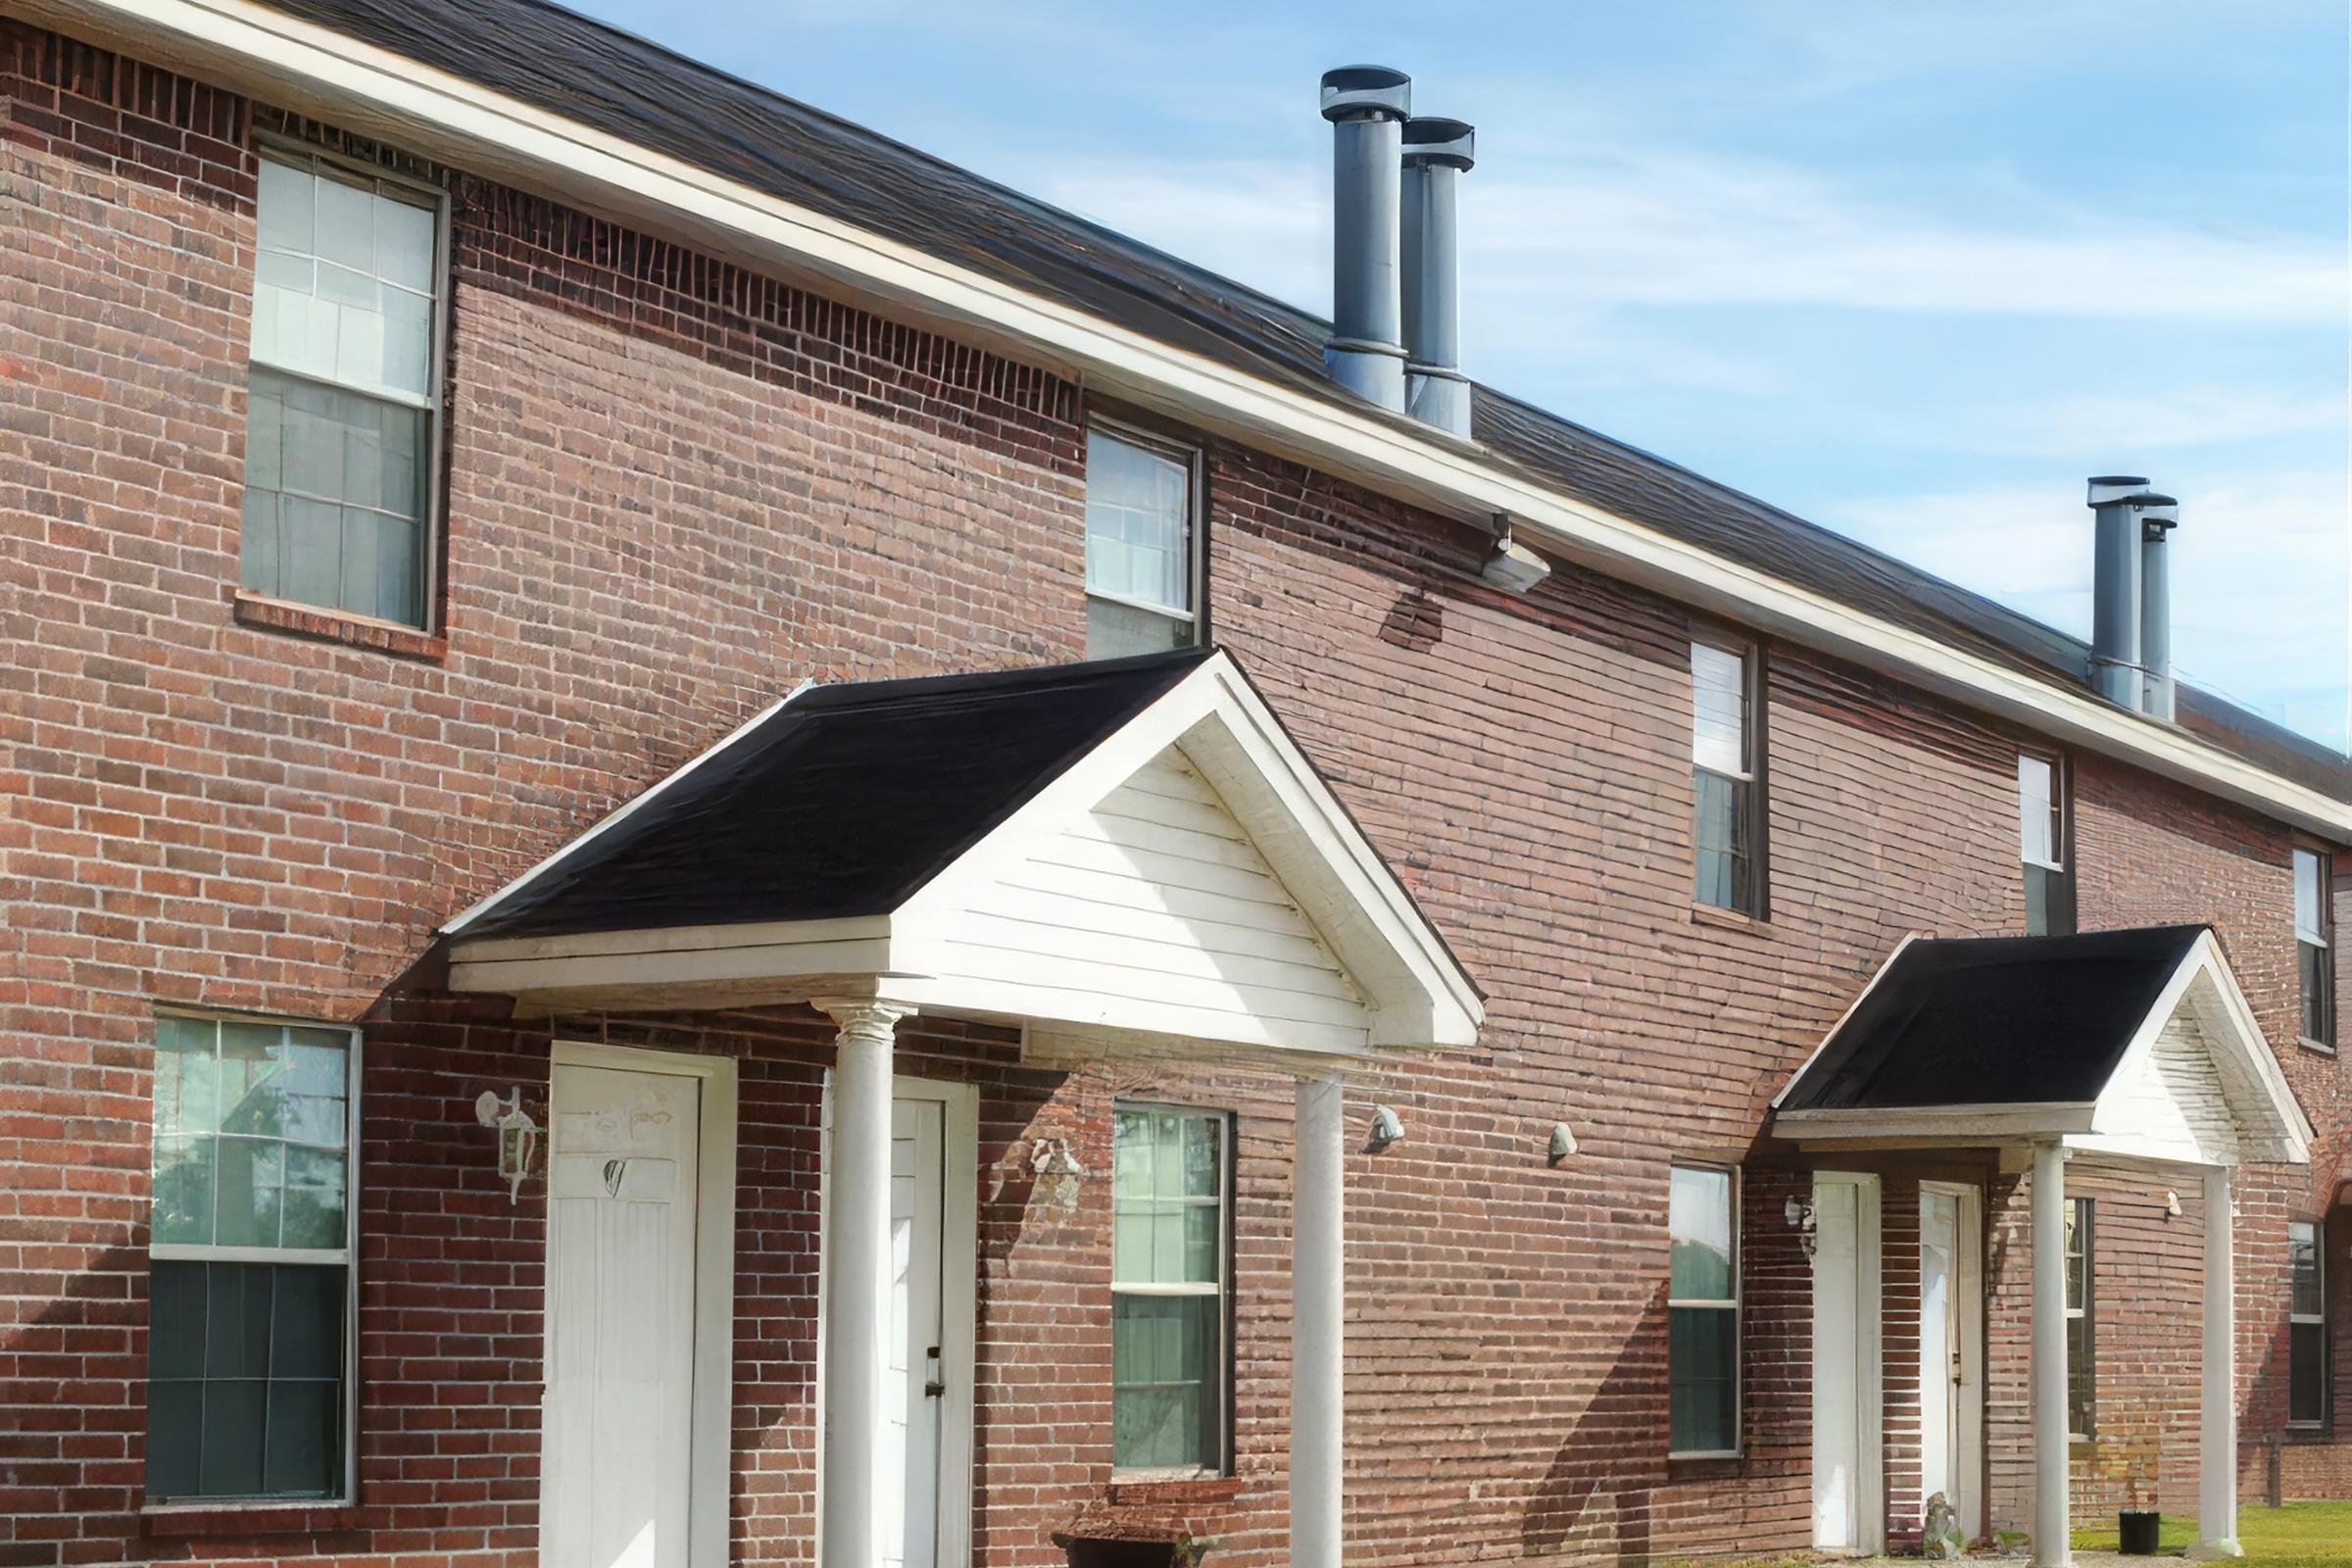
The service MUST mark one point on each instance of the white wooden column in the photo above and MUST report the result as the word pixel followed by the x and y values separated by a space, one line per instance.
pixel 2053 1546
pixel 856 1305
pixel 2217 1432
pixel 1319 1267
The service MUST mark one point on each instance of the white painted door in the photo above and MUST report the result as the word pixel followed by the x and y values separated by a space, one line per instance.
pixel 1950 1294
pixel 615 1465
pixel 1847 1447
pixel 910 1467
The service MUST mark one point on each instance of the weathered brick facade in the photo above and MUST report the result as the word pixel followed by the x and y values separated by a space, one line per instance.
pixel 675 490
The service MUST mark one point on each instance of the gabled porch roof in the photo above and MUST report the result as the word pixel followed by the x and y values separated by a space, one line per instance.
pixel 2134 1044
pixel 1130 845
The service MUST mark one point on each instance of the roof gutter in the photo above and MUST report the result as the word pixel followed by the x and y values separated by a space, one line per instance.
pixel 376 93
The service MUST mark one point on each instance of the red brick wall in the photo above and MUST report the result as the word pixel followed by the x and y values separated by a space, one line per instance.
pixel 675 490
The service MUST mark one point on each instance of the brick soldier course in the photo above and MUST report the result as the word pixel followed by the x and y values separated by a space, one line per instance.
pixel 675 490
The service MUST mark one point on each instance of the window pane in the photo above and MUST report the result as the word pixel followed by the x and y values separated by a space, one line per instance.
pixel 231 1464
pixel 1164 1378
pixel 2307 1372
pixel 250 1190
pixel 2309 916
pixel 2303 1270
pixel 1116 631
pixel 245 1368
pixel 174 1439
pixel 314 1197
pixel 1721 857
pixel 1138 523
pixel 1699 1234
pixel 186 1076
pixel 2315 971
pixel 2082 1378
pixel 236 1339
pixel 183 1191
pixel 2035 801
pixel 284 207
pixel 1702 1366
pixel 304 1439
pixel 305 1334
pixel 1719 733
pixel 1168 1193
pixel 175 1320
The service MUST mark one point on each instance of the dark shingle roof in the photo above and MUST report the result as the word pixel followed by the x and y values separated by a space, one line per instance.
pixel 843 802
pixel 1994 1021
pixel 572 66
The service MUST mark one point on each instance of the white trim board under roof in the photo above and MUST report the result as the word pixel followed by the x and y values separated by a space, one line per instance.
pixel 1131 845
pixel 2132 1045
pixel 378 92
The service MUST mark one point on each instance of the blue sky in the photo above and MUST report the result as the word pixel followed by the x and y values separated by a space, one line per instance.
pixel 1911 270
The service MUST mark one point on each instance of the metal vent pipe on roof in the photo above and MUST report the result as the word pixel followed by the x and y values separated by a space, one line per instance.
pixel 2157 520
pixel 1436 154
pixel 2115 502
pixel 1366 105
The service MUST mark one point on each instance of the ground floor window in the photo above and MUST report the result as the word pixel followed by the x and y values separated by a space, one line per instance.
pixel 2307 1326
pixel 1171 1237
pixel 1702 1311
pixel 249 1347
pixel 2082 1333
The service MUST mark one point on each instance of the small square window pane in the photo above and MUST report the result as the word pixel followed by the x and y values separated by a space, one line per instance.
pixel 263 410
pixel 187 1077
pixel 257 552
pixel 252 1182
pixel 360 549
pixel 183 1191
pixel 397 572
pixel 406 357
pixel 314 1197
pixel 360 345
pixel 307 1337
pixel 1117 631
pixel 310 550
pixel 304 1439
pixel 345 225
pixel 284 203
pixel 404 243
pixel 176 1308
pixel 1131 1155
pixel 233 1413
pixel 252 1067
pixel 401 434
pixel 174 1439
pixel 236 1341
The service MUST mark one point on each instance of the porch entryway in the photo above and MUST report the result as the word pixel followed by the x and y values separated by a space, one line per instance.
pixel 1951 1350
pixel 1124 856
pixel 2132 1049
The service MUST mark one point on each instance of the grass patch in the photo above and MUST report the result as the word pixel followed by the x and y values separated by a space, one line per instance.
pixel 2301 1534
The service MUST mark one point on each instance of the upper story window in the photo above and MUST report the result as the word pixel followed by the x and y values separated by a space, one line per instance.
pixel 1143 549
pixel 2315 959
pixel 249 1345
pixel 1702 1312
pixel 2307 1325
pixel 2082 1325
pixel 1171 1296
pixel 1725 745
pixel 2041 832
pixel 340 434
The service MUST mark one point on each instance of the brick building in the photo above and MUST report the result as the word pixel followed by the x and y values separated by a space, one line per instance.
pixel 494 1057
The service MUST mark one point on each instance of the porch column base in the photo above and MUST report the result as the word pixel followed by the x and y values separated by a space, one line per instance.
pixel 2217 1450
pixel 1318 1268
pixel 857 1296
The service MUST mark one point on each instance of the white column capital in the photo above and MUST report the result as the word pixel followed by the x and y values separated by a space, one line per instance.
pixel 864 1017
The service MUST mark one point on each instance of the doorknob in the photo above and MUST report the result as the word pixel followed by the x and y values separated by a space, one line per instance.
pixel 933 1385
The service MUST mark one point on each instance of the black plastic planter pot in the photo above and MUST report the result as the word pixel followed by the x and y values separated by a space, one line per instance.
pixel 2136 1532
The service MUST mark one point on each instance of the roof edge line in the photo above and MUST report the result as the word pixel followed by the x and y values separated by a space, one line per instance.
pixel 1885 965
pixel 495 132
pixel 456 924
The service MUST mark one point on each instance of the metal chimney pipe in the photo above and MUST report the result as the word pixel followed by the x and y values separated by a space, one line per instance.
pixel 1436 154
pixel 1366 105
pixel 2157 519
pixel 2115 654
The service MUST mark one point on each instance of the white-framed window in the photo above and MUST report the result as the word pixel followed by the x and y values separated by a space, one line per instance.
pixel 2082 1323
pixel 1170 1291
pixel 1143 543
pixel 2042 837
pixel 1727 830
pixel 342 412
pixel 2307 1325
pixel 1702 1311
pixel 2315 952
pixel 251 1355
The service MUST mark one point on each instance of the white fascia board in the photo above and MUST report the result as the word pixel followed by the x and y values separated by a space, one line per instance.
pixel 621 814
pixel 1943 1124
pixel 378 92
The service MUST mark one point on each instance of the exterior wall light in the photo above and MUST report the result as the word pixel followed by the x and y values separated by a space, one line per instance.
pixel 1386 1129
pixel 1563 1142
pixel 517 1136
pixel 2172 1205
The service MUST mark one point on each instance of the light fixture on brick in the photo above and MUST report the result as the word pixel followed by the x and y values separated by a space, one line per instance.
pixel 517 1136
pixel 1563 1142
pixel 1387 1128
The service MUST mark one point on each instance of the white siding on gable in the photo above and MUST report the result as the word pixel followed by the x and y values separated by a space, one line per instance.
pixel 1156 909
pixel 2172 1105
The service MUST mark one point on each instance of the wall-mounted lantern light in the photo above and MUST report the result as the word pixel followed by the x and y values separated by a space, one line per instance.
pixel 517 1136
pixel 1386 1129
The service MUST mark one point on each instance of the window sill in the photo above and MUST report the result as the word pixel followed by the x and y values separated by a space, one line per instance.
pixel 241 1519
pixel 1700 1465
pixel 338 626
pixel 2317 1047
pixel 1729 919
pixel 1164 1490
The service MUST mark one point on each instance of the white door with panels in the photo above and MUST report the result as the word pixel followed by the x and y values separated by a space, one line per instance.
pixel 616 1464
pixel 1950 1349
pixel 913 1377
pixel 1848 1502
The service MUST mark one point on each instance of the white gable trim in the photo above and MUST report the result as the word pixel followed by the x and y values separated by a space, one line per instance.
pixel 387 95
pixel 1358 970
pixel 2267 1123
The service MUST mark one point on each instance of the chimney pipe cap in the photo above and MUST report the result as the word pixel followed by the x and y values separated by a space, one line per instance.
pixel 1434 140
pixel 2156 515
pixel 2106 489
pixel 1366 92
